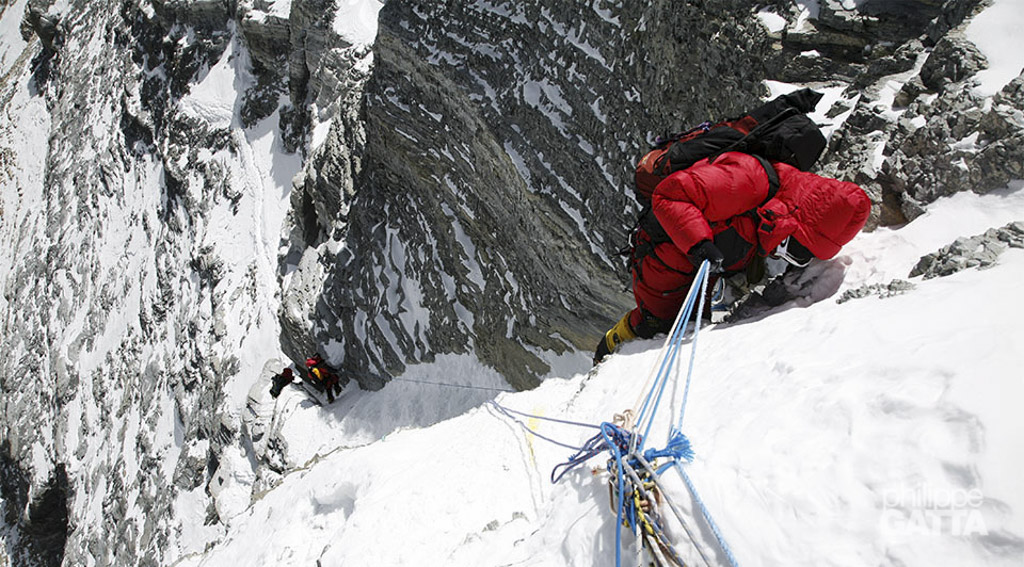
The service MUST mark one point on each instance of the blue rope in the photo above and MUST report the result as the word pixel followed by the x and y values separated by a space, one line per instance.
pixel 593 447
pixel 607 431
pixel 707 515
pixel 675 343
pixel 693 347
pixel 669 359
pixel 660 382
pixel 508 413
pixel 676 438
pixel 678 447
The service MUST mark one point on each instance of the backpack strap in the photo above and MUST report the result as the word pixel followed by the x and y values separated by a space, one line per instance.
pixel 773 189
pixel 638 250
pixel 773 178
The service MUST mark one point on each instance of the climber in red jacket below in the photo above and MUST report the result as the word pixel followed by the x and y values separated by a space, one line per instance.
pixel 729 211
pixel 323 377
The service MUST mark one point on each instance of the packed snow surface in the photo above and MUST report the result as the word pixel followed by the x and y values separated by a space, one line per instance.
pixel 877 431
pixel 772 21
pixel 11 43
pixel 214 97
pixel 356 20
pixel 998 32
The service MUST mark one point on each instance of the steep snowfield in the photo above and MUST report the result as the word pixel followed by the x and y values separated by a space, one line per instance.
pixel 356 20
pixel 246 234
pixel 996 31
pixel 877 431
pixel 11 43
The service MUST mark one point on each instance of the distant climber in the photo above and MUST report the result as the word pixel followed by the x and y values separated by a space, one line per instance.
pixel 279 381
pixel 729 211
pixel 323 377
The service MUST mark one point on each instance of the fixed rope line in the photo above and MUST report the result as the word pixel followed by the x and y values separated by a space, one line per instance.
pixel 665 358
pixel 707 515
pixel 507 413
pixel 676 434
pixel 592 447
pixel 678 447
pixel 675 510
pixel 663 354
pixel 693 353
pixel 646 494
pixel 678 331
pixel 674 346
pixel 449 385
pixel 620 510
pixel 504 409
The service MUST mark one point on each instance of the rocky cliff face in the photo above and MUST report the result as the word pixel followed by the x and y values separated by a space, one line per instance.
pixel 129 190
pixel 493 195
pixel 191 185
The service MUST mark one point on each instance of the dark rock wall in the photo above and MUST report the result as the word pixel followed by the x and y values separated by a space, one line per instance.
pixel 500 138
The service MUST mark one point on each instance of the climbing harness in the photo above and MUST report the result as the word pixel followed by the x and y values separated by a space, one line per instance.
pixel 635 489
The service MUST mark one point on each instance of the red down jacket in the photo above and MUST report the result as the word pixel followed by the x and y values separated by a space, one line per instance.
pixel 725 201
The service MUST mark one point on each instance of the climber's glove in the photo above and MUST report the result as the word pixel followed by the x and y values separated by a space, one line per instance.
pixel 706 250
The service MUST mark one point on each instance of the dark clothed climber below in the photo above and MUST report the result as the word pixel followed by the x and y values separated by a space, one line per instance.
pixel 279 381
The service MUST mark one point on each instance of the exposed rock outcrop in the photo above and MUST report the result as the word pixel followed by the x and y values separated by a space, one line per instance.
pixel 891 289
pixel 937 136
pixel 981 251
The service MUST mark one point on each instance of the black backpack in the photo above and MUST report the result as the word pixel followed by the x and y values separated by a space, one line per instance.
pixel 778 130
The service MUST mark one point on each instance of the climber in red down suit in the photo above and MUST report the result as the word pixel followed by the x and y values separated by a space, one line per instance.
pixel 726 212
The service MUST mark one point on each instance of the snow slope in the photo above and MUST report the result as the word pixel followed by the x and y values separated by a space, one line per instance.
pixel 11 43
pixel 873 432
pixel 997 33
